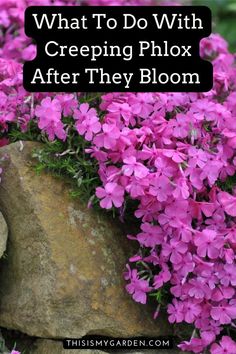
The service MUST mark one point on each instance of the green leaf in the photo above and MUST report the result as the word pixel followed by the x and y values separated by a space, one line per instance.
pixel 232 7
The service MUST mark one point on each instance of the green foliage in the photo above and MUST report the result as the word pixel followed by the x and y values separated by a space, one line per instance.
pixel 32 134
pixel 67 160
pixel 70 161
pixel 224 18
pixel 228 185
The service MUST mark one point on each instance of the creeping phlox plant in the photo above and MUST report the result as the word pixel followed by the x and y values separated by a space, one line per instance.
pixel 172 154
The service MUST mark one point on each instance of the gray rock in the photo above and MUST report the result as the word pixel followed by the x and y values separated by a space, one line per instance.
pixel 63 274
pixel 3 235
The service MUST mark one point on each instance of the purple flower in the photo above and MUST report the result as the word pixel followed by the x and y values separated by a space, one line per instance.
pixel 224 313
pixel 49 114
pixel 228 202
pixel 87 121
pixel 226 346
pixel 196 345
pixel 191 310
pixel 163 277
pixel 151 235
pixel 132 167
pixel 111 194
pixel 161 188
pixel 108 137
pixel 208 243
pixel 138 288
pixel 176 311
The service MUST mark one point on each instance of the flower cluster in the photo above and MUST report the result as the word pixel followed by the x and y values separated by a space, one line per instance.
pixel 13 42
pixel 171 153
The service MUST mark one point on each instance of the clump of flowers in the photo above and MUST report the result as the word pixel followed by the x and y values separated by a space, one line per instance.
pixel 174 154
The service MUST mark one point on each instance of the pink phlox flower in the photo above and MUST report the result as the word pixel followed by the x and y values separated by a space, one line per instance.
pixel 137 287
pixel 88 122
pixel 225 312
pixel 49 114
pixel 163 277
pixel 174 250
pixel 133 167
pixel 182 190
pixel 111 194
pixel 228 203
pixel 211 171
pixel 180 126
pixel 185 266
pixel 198 157
pixel 148 209
pixel 176 311
pixel 84 112
pixel 151 236
pixel 199 289
pixel 220 293
pixel 227 275
pixel 136 187
pixel 195 345
pixel 191 310
pixel 120 110
pixel 185 232
pixel 29 53
pixel 161 188
pixel 165 166
pixel 142 104
pixel 108 138
pixel 68 103
pixel 176 156
pixel 175 214
pixel 203 109
pixel 226 346
pixel 208 243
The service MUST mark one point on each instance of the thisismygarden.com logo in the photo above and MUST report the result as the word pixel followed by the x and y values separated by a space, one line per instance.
pixel 97 342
